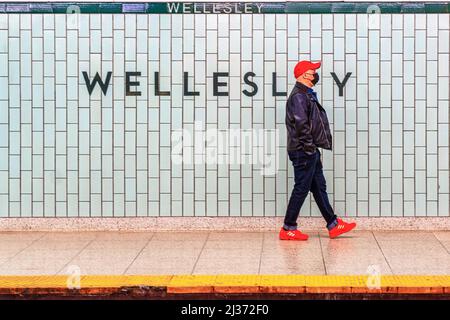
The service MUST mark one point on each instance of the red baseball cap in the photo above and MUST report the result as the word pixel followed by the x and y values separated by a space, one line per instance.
pixel 302 66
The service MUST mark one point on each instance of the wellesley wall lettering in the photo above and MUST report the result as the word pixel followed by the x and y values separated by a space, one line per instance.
pixel 219 84
pixel 190 7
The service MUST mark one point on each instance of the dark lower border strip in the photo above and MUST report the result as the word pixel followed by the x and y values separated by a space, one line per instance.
pixel 225 7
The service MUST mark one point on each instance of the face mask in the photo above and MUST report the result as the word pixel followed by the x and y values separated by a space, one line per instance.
pixel 316 79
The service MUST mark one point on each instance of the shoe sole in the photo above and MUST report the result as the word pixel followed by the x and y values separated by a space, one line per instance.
pixel 294 239
pixel 340 234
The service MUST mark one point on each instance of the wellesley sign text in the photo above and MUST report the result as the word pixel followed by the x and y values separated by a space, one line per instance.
pixel 187 7
pixel 219 84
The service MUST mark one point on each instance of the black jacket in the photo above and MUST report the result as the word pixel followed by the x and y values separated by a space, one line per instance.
pixel 306 121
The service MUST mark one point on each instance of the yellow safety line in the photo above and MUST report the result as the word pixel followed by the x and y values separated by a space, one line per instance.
pixel 237 283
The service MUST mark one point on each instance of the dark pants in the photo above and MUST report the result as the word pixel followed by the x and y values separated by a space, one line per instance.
pixel 308 176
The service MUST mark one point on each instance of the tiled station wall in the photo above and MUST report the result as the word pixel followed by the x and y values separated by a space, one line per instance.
pixel 66 153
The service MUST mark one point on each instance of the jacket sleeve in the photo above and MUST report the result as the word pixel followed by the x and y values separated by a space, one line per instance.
pixel 299 107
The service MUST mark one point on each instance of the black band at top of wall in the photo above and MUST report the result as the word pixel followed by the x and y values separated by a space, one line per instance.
pixel 225 7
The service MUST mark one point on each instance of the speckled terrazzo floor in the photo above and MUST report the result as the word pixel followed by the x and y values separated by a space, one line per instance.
pixel 360 252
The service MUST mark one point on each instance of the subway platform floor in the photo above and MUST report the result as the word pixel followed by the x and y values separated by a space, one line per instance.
pixel 408 257
pixel 172 252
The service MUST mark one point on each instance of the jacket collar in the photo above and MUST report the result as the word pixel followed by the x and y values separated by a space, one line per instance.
pixel 305 89
pixel 302 87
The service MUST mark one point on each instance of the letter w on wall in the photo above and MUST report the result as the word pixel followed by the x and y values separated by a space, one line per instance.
pixel 90 86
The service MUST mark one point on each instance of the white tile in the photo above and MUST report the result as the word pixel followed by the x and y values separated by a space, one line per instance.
pixel 378 119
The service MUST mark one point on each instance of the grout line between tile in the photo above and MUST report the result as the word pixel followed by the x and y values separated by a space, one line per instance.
pixel 139 253
pixel 321 252
pixel 200 253
pixel 78 253
pixel 20 251
pixel 447 250
pixel 384 256
pixel 261 252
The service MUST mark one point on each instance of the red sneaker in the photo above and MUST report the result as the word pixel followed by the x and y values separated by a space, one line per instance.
pixel 292 235
pixel 340 228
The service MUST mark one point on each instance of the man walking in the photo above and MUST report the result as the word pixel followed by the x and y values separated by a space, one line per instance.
pixel 308 129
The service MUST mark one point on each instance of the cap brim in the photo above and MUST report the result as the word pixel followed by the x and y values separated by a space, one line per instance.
pixel 315 66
